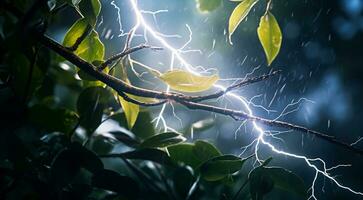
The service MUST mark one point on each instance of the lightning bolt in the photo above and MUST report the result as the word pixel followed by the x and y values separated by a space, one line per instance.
pixel 176 55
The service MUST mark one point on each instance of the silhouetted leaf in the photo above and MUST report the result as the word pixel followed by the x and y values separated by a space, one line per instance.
pixel 270 36
pixel 67 164
pixel 286 180
pixel 61 120
pixel 163 140
pixel 113 181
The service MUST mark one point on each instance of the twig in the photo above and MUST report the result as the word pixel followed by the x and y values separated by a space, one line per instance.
pixel 124 53
pixel 233 87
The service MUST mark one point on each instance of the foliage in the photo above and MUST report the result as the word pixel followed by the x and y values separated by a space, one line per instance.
pixel 44 156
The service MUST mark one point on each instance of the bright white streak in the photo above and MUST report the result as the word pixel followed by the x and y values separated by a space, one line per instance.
pixel 176 55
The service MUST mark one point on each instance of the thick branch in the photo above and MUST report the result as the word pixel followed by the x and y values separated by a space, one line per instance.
pixel 121 86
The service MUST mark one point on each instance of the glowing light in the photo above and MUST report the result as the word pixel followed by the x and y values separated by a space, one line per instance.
pixel 176 54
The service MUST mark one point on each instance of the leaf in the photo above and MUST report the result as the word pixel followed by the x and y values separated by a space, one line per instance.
pixel 59 119
pixel 67 164
pixel 90 9
pixel 143 127
pixel 183 180
pixel 202 125
pixel 205 150
pixel 154 155
pixel 131 111
pixel 187 82
pixel 260 183
pixel 263 179
pixel 239 14
pixel 113 181
pixel 208 5
pixel 75 32
pixel 101 143
pixel 219 167
pixel 286 180
pixel 193 154
pixel 270 36
pixel 163 140
pixel 91 48
pixel 184 153
pixel 126 137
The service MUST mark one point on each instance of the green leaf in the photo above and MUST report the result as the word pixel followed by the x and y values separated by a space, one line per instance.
pixel 184 153
pixel 75 32
pixel 220 167
pixel 238 15
pixel 143 127
pixel 208 5
pixel 270 36
pixel 90 9
pixel 286 180
pixel 193 154
pixel 163 140
pixel 187 82
pixel 263 179
pixel 91 48
pixel 126 137
pixel 131 111
pixel 260 183
pixel 205 150
pixel 113 181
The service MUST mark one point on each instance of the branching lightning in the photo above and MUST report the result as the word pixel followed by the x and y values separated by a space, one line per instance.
pixel 177 55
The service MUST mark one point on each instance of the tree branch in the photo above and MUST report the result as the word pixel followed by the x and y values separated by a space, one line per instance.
pixel 121 86
pixel 246 82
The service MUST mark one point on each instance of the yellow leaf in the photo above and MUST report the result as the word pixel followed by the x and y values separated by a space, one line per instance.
pixel 131 111
pixel 238 14
pixel 187 82
pixel 270 36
